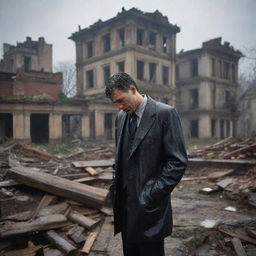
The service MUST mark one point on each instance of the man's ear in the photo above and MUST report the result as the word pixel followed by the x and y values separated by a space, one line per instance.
pixel 133 88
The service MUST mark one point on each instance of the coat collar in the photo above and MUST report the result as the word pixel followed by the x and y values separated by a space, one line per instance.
pixel 146 122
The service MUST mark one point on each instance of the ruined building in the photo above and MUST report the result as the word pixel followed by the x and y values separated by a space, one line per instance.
pixel 30 107
pixel 140 44
pixel 207 85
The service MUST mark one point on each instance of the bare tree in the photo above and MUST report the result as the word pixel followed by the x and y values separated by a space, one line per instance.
pixel 68 70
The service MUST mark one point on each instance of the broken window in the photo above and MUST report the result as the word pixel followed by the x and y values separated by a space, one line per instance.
pixel 140 36
pixel 6 125
pixel 140 70
pixel 233 73
pixel 164 44
pixel 213 124
pixel 213 67
pixel 194 67
pixel 220 68
pixel 27 63
pixel 106 43
pixel 152 40
pixel 194 99
pixel 106 71
pixel 89 49
pixel 121 37
pixel 194 128
pixel 222 135
pixel 165 75
pixel 120 66
pixel 89 79
pixel 226 70
pixel 108 126
pixel 71 126
pixel 152 72
pixel 39 128
pixel 177 72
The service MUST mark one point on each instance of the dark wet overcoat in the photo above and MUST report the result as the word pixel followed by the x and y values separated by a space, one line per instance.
pixel 157 161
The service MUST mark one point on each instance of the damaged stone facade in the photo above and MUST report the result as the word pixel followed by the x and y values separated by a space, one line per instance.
pixel 207 86
pixel 29 55
pixel 30 105
pixel 138 43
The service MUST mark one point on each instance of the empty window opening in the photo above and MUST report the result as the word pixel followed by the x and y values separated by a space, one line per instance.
pixel 165 44
pixel 152 41
pixel 120 66
pixel 228 128
pixel 27 63
pixel 89 79
pixel 194 67
pixel 121 37
pixel 213 125
pixel 71 126
pixel 222 134
pixel 213 67
pixel 220 68
pixel 108 126
pixel 39 128
pixel 177 72
pixel 106 42
pixel 6 126
pixel 140 36
pixel 226 70
pixel 106 71
pixel 194 128
pixel 90 49
pixel 152 72
pixel 92 124
pixel 194 99
pixel 140 70
pixel 165 74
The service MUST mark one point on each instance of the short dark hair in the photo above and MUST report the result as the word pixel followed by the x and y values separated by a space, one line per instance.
pixel 119 81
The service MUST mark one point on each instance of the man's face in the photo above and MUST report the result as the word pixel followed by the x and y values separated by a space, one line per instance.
pixel 125 100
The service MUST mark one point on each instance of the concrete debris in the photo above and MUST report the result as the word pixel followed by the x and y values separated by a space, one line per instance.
pixel 201 225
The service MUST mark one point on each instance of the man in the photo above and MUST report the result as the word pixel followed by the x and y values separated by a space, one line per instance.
pixel 150 161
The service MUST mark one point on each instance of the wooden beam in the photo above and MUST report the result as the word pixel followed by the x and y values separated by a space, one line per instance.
pixel 240 151
pixel 42 223
pixel 89 242
pixel 238 247
pixel 88 195
pixel 93 163
pixel 82 220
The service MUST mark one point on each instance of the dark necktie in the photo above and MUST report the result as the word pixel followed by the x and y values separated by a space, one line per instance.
pixel 132 125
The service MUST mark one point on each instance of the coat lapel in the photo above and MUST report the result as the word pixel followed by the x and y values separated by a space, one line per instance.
pixel 120 130
pixel 146 122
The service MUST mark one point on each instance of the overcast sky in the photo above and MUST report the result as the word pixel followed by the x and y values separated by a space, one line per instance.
pixel 56 20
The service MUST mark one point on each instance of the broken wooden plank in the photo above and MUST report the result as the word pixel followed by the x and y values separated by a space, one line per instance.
pixel 89 242
pixel 242 236
pixel 46 200
pixel 40 153
pixel 91 171
pixel 61 243
pixel 238 247
pixel 240 151
pixel 216 174
pixel 251 232
pixel 89 195
pixel 93 163
pixel 42 223
pixel 8 183
pixel 225 183
pixel 82 220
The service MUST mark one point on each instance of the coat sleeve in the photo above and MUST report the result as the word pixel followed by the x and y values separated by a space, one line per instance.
pixel 175 160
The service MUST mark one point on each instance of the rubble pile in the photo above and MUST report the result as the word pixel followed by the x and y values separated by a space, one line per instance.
pixel 50 204
pixel 229 148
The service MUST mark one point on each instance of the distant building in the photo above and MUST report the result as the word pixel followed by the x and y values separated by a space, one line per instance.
pixel 247 120
pixel 207 84
pixel 138 43
pixel 30 105
pixel 29 55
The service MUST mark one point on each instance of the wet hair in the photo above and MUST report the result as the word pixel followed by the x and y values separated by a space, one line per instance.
pixel 119 81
